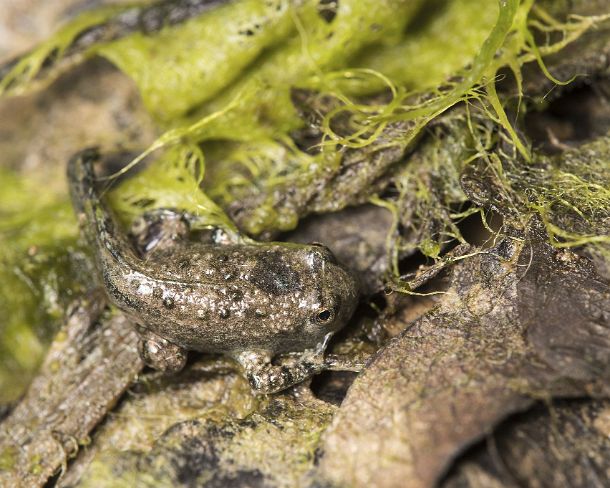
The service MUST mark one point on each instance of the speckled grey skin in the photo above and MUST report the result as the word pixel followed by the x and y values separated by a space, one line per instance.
pixel 249 301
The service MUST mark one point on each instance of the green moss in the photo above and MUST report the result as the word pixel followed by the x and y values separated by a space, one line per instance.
pixel 38 268
pixel 571 193
pixel 8 457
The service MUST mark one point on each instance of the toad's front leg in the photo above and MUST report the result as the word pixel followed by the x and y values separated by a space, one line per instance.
pixel 265 377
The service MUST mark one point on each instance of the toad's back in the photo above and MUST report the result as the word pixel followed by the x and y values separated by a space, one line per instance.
pixel 274 297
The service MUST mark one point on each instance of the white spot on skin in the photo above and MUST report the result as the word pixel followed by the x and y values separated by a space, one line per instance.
pixel 145 289
pixel 303 303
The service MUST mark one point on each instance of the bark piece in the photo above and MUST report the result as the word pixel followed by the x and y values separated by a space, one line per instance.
pixel 563 444
pixel 88 367
pixel 518 322
pixel 359 173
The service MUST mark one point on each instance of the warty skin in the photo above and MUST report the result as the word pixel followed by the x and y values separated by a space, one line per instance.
pixel 249 301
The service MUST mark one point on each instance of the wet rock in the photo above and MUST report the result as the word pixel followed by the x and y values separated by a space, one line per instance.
pixel 275 446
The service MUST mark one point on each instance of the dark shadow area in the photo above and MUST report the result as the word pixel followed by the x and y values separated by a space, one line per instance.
pixel 580 114
pixel 538 448
pixel 332 386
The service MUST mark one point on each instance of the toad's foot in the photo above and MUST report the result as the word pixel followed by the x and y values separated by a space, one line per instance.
pixel 265 377
pixel 159 353
pixel 336 362
pixel 162 228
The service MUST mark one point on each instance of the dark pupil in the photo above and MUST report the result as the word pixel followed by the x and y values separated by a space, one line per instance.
pixel 324 315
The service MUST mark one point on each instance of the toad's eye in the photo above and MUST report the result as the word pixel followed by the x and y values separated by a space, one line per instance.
pixel 324 316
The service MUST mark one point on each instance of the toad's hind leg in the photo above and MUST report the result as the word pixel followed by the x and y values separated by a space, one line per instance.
pixel 159 353
pixel 158 229
pixel 162 228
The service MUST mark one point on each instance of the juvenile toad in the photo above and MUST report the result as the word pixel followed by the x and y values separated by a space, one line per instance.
pixel 251 302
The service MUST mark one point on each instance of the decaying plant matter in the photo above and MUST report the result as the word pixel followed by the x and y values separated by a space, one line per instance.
pixel 454 153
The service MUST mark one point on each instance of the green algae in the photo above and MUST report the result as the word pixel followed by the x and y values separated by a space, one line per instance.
pixel 267 48
pixel 39 265
pixel 427 57
pixel 174 78
pixel 273 107
pixel 170 183
pixel 25 71
pixel 259 112
pixel 427 207
pixel 8 458
pixel 318 47
pixel 235 167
